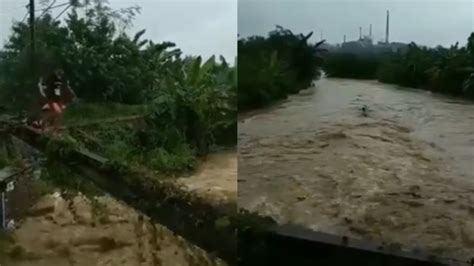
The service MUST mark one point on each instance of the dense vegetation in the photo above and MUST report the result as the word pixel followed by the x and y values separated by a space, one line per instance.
pixel 270 68
pixel 444 70
pixel 188 104
pixel 352 65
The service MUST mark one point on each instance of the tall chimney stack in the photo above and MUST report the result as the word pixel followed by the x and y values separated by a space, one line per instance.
pixel 360 33
pixel 370 30
pixel 387 27
pixel 344 38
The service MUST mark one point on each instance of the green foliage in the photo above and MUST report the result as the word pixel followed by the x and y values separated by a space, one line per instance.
pixel 100 60
pixel 355 66
pixel 57 175
pixel 9 154
pixel 196 102
pixel 61 146
pixel 468 85
pixel 181 159
pixel 271 68
pixel 130 146
pixel 444 70
pixel 88 112
pixel 189 105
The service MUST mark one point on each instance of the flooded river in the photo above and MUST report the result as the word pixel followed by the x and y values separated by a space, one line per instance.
pixel 404 174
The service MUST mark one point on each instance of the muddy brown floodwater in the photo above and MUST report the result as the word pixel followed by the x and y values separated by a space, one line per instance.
pixel 79 230
pixel 83 231
pixel 215 179
pixel 403 175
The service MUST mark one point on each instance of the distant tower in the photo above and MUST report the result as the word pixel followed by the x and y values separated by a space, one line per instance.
pixel 321 35
pixel 360 33
pixel 370 31
pixel 344 38
pixel 387 27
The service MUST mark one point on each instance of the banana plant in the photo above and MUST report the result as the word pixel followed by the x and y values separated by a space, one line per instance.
pixel 198 98
pixel 136 39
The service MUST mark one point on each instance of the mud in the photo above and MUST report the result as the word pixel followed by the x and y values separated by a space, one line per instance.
pixel 97 231
pixel 402 175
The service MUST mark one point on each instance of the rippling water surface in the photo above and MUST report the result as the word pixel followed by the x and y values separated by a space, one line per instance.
pixel 403 174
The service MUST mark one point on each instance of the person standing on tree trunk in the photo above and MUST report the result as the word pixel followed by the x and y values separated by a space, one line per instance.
pixel 56 93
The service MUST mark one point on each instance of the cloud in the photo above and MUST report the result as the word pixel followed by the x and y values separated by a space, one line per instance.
pixel 423 21
pixel 198 27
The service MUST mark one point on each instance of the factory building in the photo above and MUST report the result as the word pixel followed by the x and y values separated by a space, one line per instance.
pixel 365 43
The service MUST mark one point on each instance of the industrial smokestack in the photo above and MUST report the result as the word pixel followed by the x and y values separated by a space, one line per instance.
pixel 387 27
pixel 360 33
pixel 344 38
pixel 370 31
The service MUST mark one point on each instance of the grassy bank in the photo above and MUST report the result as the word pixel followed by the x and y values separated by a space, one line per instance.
pixel 129 135
pixel 86 113
pixel 139 146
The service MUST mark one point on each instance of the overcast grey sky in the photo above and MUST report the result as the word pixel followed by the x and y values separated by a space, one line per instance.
pixel 426 22
pixel 198 27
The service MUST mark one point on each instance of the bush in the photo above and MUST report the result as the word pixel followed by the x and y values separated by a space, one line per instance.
pixel 271 68
pixel 180 159
pixel 85 112
pixel 355 66
pixel 444 70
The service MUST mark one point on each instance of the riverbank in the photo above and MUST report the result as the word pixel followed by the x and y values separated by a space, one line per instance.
pixel 402 175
